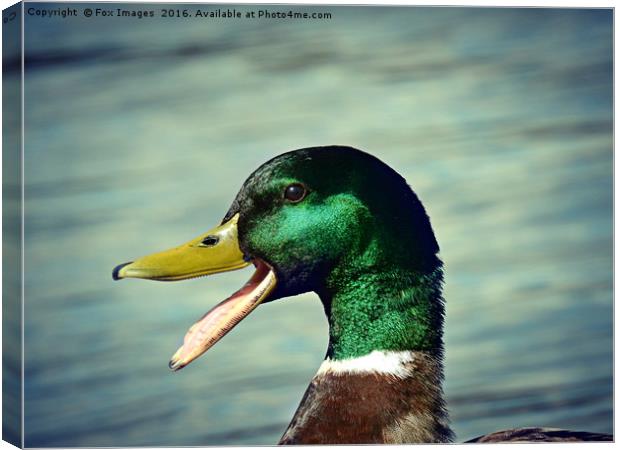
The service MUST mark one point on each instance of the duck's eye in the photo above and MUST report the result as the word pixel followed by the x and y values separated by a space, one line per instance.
pixel 295 192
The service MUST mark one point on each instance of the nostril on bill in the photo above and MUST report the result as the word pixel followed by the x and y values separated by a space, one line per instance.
pixel 210 241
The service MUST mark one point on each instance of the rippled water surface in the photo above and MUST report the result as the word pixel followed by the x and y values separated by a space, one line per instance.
pixel 140 132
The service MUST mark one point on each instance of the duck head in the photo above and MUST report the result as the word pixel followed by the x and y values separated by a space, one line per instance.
pixel 314 219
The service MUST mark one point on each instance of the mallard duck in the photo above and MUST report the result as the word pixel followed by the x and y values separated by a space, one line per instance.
pixel 338 222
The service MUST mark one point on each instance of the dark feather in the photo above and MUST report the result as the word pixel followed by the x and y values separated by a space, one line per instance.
pixel 541 435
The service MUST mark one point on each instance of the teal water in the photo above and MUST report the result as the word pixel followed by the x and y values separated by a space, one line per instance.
pixel 140 132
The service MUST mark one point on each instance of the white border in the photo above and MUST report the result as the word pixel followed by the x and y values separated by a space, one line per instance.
pixel 471 3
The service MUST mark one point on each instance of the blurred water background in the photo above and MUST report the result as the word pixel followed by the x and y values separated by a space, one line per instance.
pixel 139 133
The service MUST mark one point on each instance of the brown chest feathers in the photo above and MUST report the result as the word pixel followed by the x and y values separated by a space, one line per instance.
pixel 373 407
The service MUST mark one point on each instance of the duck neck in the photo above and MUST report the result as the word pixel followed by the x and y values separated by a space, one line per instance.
pixel 395 309
pixel 383 371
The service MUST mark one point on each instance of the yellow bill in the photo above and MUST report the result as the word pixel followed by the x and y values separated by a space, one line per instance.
pixel 213 252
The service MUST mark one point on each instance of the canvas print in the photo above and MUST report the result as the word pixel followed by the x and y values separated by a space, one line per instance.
pixel 230 224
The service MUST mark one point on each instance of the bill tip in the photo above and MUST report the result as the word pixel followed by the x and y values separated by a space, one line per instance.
pixel 116 272
pixel 175 365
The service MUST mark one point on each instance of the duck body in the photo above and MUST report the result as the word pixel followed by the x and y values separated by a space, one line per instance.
pixel 537 434
pixel 338 222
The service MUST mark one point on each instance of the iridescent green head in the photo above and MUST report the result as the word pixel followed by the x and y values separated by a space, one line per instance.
pixel 355 214
pixel 333 220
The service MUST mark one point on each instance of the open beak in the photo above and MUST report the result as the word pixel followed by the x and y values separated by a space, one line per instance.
pixel 215 251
